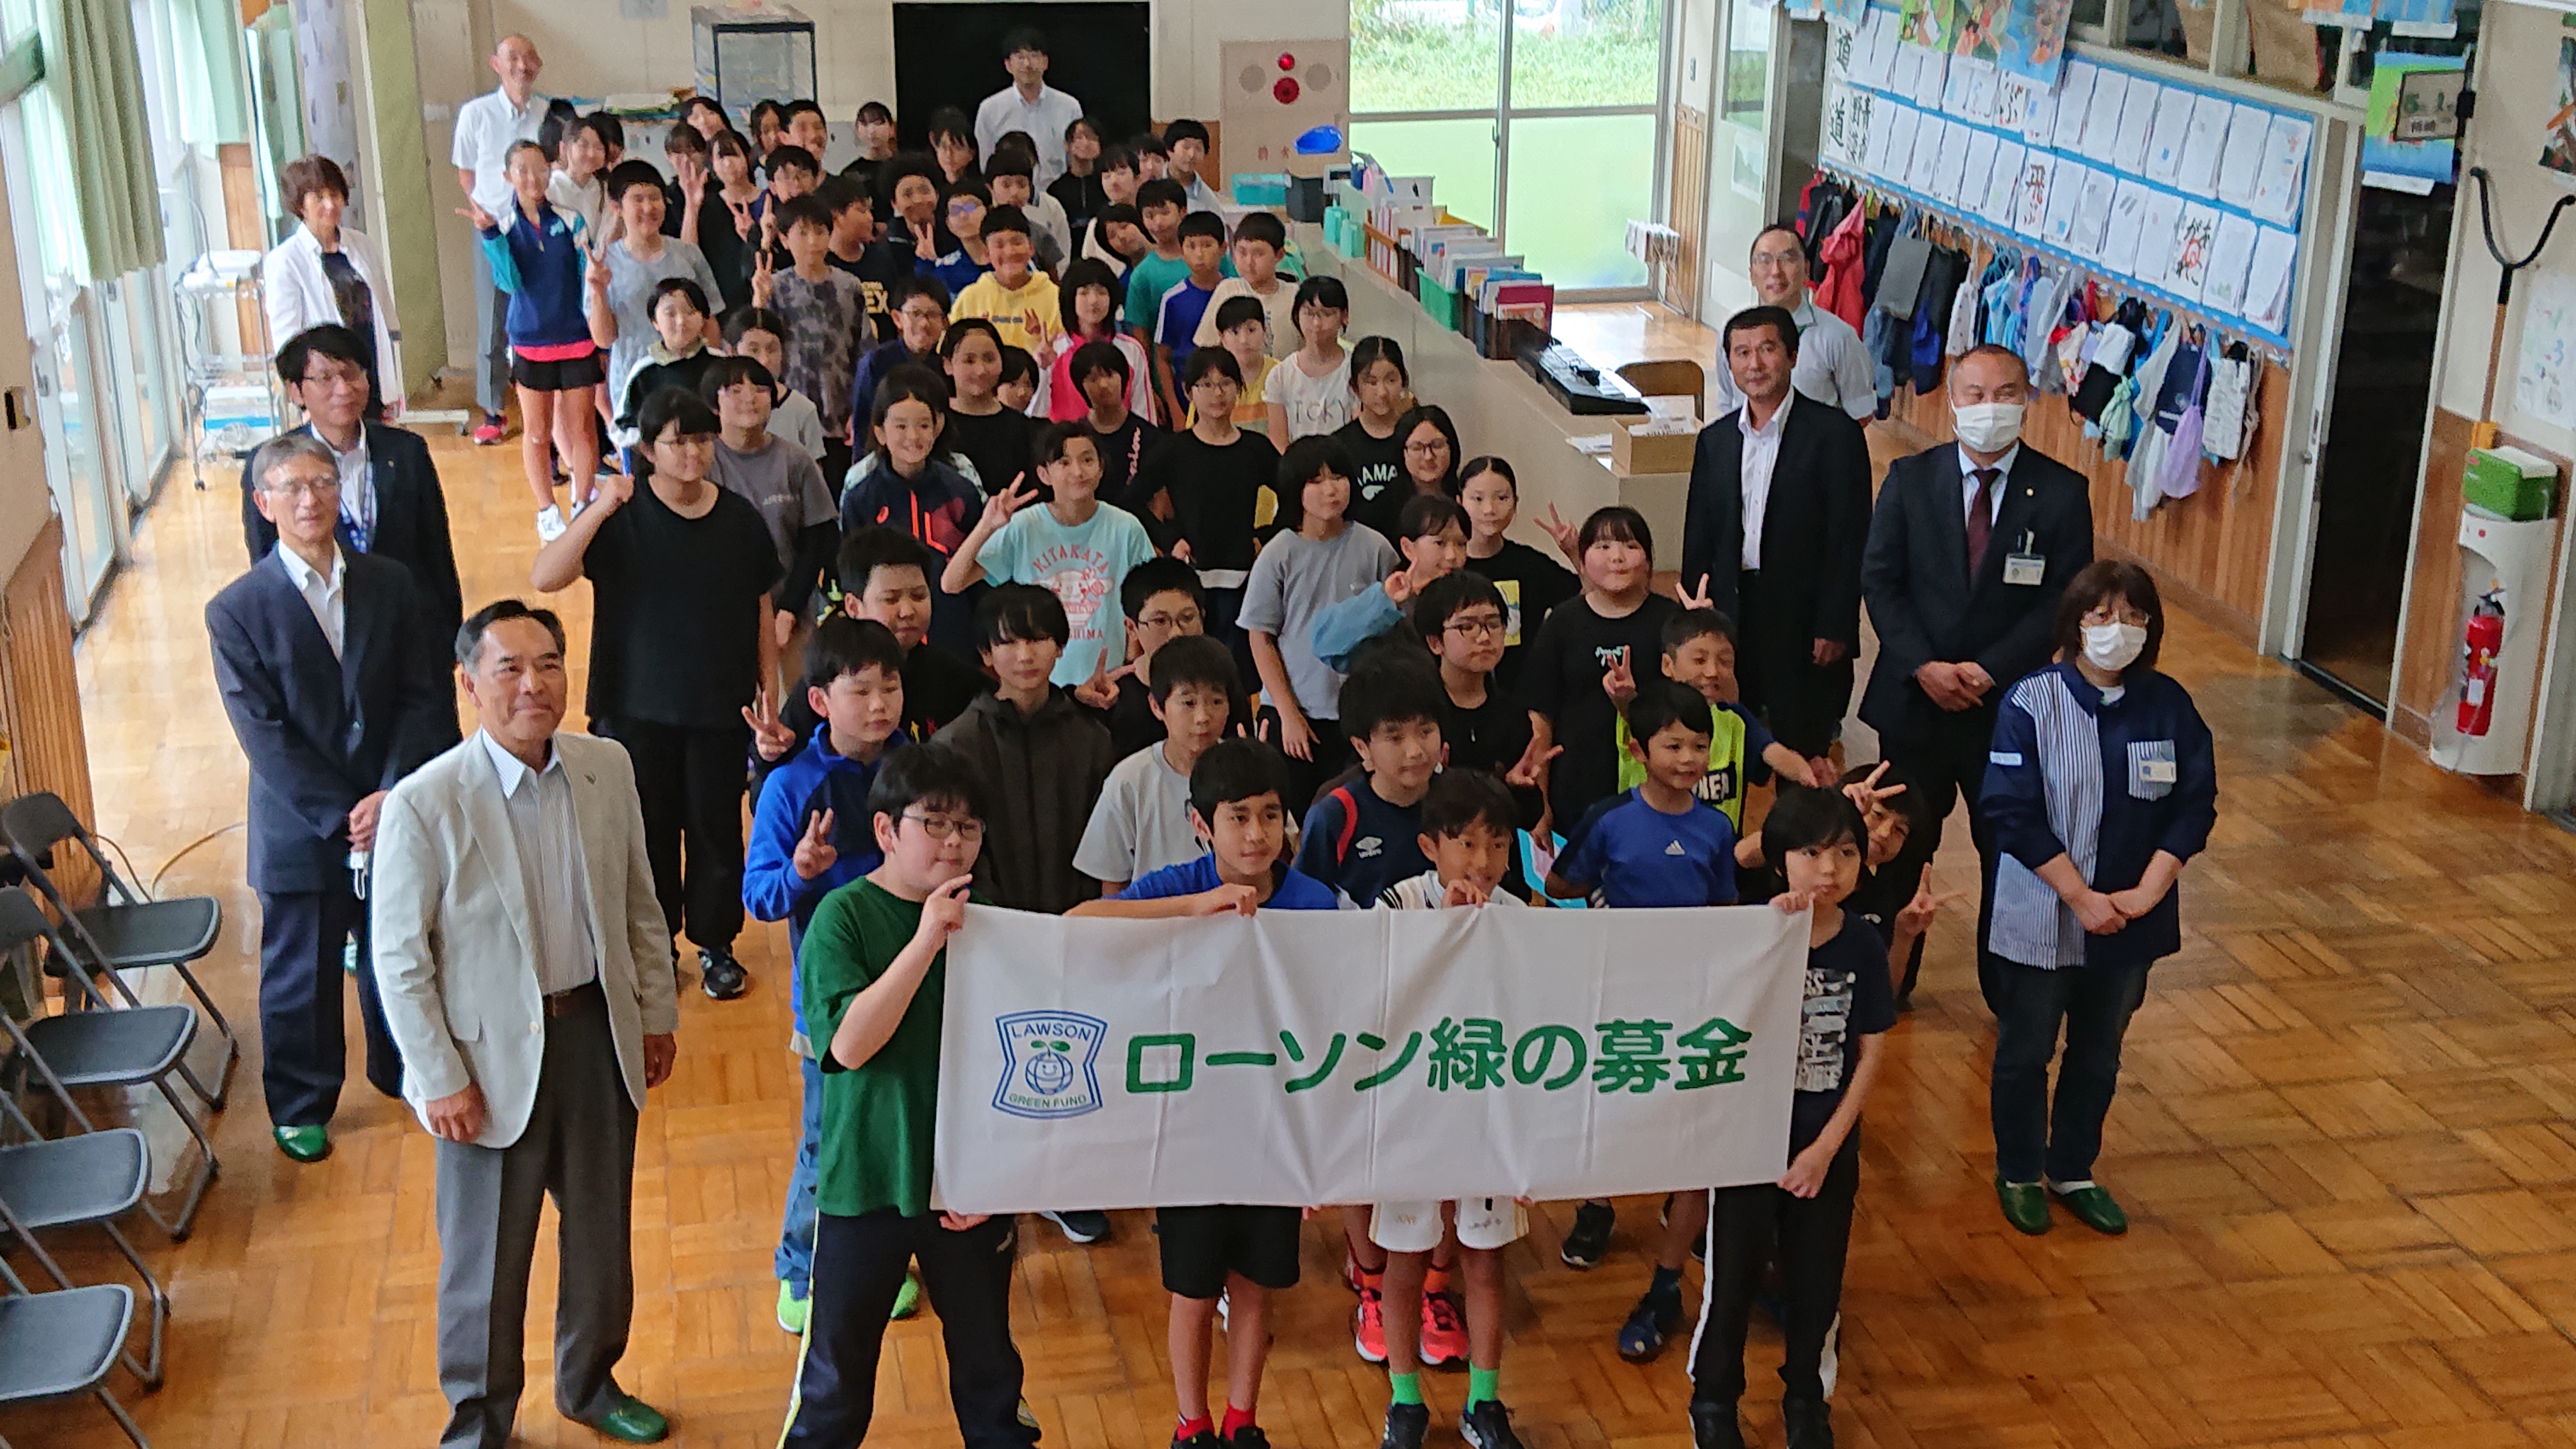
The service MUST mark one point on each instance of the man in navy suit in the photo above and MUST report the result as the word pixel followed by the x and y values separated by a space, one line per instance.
pixel 391 505
pixel 1969 550
pixel 336 690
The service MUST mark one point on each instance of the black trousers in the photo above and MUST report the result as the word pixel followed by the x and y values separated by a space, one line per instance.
pixel 858 1268
pixel 304 1051
pixel 1809 1237
pixel 691 779
pixel 1943 765
pixel 1800 700
pixel 2034 1138
pixel 1307 778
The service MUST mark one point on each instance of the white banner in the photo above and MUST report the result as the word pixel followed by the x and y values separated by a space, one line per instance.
pixel 1301 1058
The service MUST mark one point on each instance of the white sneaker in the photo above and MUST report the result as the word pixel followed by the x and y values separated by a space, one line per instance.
pixel 578 505
pixel 550 524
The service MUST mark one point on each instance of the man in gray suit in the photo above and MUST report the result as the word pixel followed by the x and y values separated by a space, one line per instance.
pixel 526 974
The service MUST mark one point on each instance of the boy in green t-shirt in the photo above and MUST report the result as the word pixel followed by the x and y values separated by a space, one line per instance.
pixel 1699 650
pixel 875 970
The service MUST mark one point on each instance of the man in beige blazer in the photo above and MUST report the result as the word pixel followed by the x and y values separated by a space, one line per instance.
pixel 527 977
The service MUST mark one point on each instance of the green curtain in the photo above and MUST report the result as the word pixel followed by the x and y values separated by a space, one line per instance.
pixel 213 108
pixel 97 78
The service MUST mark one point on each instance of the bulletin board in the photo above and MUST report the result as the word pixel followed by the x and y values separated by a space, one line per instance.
pixel 2175 192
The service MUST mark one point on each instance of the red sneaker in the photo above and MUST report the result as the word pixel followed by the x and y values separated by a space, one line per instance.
pixel 489 434
pixel 1356 1278
pixel 1368 1325
pixel 1444 1331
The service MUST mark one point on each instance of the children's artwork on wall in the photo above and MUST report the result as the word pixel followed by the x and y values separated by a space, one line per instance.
pixel 1932 23
pixel 1846 16
pixel 2026 38
pixel 2544 383
pixel 2558 129
pixel 2405 147
pixel 2195 237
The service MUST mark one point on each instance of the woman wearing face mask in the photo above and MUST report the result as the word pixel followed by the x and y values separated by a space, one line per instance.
pixel 2099 787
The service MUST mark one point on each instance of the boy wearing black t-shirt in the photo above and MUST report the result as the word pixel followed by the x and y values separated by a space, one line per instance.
pixel 884 575
pixel 1364 834
pixel 1212 477
pixel 1804 1223
pixel 683 641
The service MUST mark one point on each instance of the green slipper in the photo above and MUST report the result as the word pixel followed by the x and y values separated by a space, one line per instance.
pixel 2094 1208
pixel 304 1144
pixel 2025 1205
pixel 633 1421
pixel 907 1299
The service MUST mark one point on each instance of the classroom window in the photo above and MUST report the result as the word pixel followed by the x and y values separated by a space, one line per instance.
pixel 1425 55
pixel 1459 152
pixel 1586 52
pixel 1574 181
pixel 1744 99
pixel 1539 119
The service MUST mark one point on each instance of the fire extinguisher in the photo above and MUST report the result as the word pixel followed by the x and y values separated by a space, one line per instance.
pixel 2484 639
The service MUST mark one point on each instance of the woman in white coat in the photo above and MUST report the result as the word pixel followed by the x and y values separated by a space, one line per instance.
pixel 328 273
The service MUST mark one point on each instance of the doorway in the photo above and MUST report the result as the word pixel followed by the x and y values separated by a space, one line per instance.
pixel 2374 439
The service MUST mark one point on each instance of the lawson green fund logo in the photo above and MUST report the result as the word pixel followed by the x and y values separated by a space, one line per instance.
pixel 1047 1061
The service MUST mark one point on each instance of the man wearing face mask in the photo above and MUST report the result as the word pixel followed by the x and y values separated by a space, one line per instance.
pixel 1778 512
pixel 1970 548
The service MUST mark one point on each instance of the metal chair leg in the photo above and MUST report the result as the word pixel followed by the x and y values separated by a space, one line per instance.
pixel 178 1226
pixel 124 1421
pixel 223 1028
pixel 148 1372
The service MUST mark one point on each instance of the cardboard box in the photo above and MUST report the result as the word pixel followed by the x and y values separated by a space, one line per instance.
pixel 1650 453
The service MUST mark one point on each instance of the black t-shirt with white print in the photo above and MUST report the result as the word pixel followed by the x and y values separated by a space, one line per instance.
pixel 1847 997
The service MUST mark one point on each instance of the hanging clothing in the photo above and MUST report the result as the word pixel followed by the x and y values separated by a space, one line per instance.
pixel 1840 291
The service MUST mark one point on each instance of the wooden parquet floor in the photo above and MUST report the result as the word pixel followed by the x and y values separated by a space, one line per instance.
pixel 2343 1135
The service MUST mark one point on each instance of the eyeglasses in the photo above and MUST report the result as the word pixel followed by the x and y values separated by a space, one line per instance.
pixel 1480 628
pixel 1168 621
pixel 941 828
pixel 303 488
pixel 334 377
pixel 1436 445
pixel 1779 259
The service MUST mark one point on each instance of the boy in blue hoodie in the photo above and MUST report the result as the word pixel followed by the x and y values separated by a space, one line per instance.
pixel 810 835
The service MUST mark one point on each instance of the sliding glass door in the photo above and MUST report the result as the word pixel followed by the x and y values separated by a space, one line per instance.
pixel 1539 119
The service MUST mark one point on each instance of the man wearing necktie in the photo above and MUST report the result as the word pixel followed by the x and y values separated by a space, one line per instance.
pixel 335 689
pixel 1970 546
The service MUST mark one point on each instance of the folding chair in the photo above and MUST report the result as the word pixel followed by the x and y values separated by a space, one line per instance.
pixel 106 1046
pixel 126 929
pixel 1678 377
pixel 55 1345
pixel 67 1182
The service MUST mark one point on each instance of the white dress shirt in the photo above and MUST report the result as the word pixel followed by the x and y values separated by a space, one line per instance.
pixel 548 836
pixel 1761 457
pixel 326 595
pixel 1832 367
pixel 486 128
pixel 1968 483
pixel 1045 119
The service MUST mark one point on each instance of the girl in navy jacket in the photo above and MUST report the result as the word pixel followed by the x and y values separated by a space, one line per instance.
pixel 2100 786
pixel 540 255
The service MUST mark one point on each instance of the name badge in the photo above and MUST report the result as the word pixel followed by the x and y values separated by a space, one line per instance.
pixel 2157 772
pixel 2026 569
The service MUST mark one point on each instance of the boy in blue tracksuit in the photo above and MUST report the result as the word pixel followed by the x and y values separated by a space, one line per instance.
pixel 1657 846
pixel 810 834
